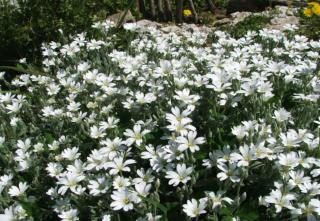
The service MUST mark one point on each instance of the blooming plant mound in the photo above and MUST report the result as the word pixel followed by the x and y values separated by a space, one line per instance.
pixel 160 126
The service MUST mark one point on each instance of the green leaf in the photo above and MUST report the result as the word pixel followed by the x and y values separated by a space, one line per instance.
pixel 226 211
pixel 248 214
pixel 158 205
pixel 49 138
pixel 19 68
pixel 227 218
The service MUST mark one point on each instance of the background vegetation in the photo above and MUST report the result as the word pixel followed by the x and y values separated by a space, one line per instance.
pixel 26 24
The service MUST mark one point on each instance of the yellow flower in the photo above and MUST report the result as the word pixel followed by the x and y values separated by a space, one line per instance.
pixel 187 12
pixel 308 12
pixel 316 9
pixel 312 4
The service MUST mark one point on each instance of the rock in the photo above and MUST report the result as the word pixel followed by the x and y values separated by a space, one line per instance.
pixel 194 27
pixel 279 23
pixel 116 17
pixel 220 13
pixel 281 16
pixel 252 5
pixel 171 28
pixel 284 11
pixel 284 16
pixel 147 23
pixel 239 16
pixel 223 21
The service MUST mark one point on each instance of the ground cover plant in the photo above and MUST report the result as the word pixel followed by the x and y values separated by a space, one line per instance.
pixel 250 23
pixel 147 125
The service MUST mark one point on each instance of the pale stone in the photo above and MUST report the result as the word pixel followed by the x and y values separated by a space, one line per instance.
pixel 116 17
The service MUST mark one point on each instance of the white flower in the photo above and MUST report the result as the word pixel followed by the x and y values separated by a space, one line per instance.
pixel 282 115
pixel 5 180
pixel 123 200
pixel 151 217
pixel 230 172
pixel 219 81
pixel 193 208
pixel 135 135
pixel 4 217
pixel 111 148
pixel 95 45
pixel 38 147
pixel 6 98
pixel 145 98
pixel 298 178
pixel 97 160
pixel 73 106
pixel 217 199
pixel 130 26
pixel 181 127
pixel 96 132
pixel 247 154
pixel 165 68
pixel 70 154
pixel 2 73
pixel 53 89
pixel 54 169
pixel 13 213
pixel 70 181
pixel 106 218
pixel 240 132
pixel 310 210
pixel 98 186
pixel 14 107
pixel 91 76
pixel 144 177
pixel 290 139
pixel 119 165
pixel 2 140
pixel 186 97
pixel 14 121
pixel 181 176
pixel 280 200
pixel 190 142
pixel 178 116
pixel 121 183
pixel 77 167
pixel 315 203
pixel 289 160
pixel 313 189
pixel 142 189
pixel 83 67
pixel 110 123
pixel 24 145
pixel 69 215
pixel 18 191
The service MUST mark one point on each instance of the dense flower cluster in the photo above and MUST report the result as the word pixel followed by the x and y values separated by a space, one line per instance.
pixel 312 9
pixel 163 126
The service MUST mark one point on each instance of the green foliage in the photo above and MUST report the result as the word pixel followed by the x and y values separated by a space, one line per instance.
pixel 25 24
pixel 250 23
pixel 310 26
pixel 221 3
